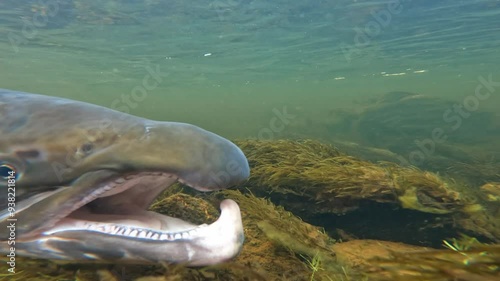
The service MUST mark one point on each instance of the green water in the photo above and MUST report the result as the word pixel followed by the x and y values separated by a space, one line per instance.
pixel 227 64
pixel 271 69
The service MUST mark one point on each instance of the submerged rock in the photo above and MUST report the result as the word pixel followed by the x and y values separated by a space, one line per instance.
pixel 318 182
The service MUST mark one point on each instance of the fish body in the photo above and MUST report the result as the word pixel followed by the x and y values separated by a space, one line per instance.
pixel 77 179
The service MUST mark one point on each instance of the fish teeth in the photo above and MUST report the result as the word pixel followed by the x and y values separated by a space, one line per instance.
pixel 139 233
pixel 120 231
pixel 114 229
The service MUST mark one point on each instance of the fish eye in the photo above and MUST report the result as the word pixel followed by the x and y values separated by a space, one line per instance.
pixel 8 171
pixel 87 148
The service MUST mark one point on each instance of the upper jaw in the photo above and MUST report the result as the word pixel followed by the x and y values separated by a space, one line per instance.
pixel 117 206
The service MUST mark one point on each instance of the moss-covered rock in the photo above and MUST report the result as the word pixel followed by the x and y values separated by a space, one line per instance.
pixel 310 179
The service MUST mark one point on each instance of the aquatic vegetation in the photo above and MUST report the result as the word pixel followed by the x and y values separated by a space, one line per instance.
pixel 311 178
pixel 186 207
pixel 476 170
pixel 463 243
pixel 389 261
pixel 321 173
pixel 470 264
pixel 314 264
pixel 491 191
pixel 295 238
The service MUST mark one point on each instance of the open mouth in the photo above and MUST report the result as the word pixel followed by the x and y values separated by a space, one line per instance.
pixel 118 207
pixel 85 183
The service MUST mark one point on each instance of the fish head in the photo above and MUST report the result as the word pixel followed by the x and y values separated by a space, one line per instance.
pixel 85 176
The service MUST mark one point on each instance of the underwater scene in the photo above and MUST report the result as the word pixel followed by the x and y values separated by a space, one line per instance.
pixel 167 140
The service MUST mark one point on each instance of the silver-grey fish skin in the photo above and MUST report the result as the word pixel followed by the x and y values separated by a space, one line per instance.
pixel 75 161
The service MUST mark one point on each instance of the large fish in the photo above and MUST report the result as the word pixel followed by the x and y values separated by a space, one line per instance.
pixel 76 180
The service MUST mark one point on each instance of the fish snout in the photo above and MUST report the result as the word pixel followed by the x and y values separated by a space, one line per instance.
pixel 201 159
pixel 229 167
pixel 223 165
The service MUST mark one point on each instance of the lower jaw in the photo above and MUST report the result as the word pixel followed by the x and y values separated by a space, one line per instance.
pixel 209 244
